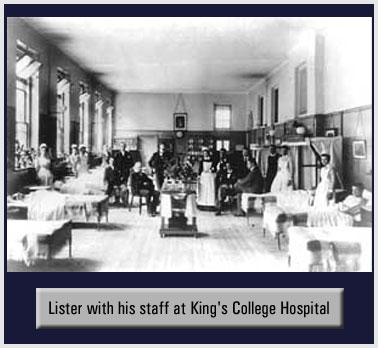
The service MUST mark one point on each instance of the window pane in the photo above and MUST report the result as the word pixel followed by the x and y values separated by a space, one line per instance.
pixel 275 106
pixel 60 125
pixel 226 145
pixel 22 134
pixel 261 111
pixel 20 106
pixel 223 116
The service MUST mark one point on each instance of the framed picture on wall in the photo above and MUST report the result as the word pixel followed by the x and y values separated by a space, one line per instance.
pixel 359 149
pixel 180 121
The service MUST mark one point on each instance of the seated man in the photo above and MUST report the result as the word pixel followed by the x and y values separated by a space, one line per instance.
pixel 352 204
pixel 241 163
pixel 142 185
pixel 227 181
pixel 112 186
pixel 253 182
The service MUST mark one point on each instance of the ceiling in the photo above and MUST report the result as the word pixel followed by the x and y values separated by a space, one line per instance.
pixel 186 55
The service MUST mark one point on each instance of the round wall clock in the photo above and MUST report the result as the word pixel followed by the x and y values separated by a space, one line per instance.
pixel 179 134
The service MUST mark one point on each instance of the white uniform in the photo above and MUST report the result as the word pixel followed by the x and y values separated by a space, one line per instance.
pixel 325 186
pixel 283 180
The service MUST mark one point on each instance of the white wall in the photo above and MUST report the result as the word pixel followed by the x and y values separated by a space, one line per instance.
pixel 154 112
pixel 283 77
pixel 339 71
pixel 339 77
pixel 348 65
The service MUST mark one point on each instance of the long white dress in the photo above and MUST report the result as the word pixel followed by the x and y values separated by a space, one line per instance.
pixel 43 165
pixel 325 186
pixel 206 189
pixel 75 163
pixel 83 166
pixel 283 179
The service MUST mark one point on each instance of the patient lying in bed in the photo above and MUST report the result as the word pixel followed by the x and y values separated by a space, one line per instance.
pixel 352 204
pixel 295 208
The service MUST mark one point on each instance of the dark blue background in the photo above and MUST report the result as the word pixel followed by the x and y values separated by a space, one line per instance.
pixel 20 288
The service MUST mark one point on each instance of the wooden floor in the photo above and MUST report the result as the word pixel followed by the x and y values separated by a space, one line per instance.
pixel 132 243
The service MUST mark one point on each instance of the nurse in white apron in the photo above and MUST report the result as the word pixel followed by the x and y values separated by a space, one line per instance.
pixel 206 188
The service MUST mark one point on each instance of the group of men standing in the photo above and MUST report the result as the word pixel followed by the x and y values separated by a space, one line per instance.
pixel 235 175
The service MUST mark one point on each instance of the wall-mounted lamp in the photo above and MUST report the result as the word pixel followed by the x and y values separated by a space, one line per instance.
pixel 301 130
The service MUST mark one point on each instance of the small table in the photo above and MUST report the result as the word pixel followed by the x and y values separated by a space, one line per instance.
pixel 177 209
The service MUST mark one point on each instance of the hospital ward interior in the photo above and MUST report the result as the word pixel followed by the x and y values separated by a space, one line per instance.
pixel 189 144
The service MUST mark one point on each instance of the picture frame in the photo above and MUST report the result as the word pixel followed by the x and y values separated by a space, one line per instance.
pixel 180 121
pixel 359 149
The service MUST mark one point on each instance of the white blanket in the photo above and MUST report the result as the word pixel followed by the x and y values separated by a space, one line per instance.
pixel 86 183
pixel 166 206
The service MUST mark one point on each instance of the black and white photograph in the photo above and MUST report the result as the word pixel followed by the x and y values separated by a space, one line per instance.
pixel 189 144
pixel 359 149
pixel 180 121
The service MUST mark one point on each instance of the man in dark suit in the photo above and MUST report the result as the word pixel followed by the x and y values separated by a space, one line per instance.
pixel 241 164
pixel 141 184
pixel 159 163
pixel 220 167
pixel 112 184
pixel 253 182
pixel 227 181
pixel 222 160
pixel 272 167
pixel 109 176
pixel 123 164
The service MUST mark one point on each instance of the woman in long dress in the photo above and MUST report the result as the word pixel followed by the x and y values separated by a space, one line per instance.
pixel 83 161
pixel 206 189
pixel 283 180
pixel 105 156
pixel 74 159
pixel 326 185
pixel 43 166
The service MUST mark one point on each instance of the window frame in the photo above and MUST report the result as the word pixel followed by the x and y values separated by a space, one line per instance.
pixel 223 143
pixel 260 110
pixel 275 104
pixel 25 89
pixel 27 73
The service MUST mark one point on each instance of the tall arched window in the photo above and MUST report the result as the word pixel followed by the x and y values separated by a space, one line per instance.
pixel 27 98
pixel 63 114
